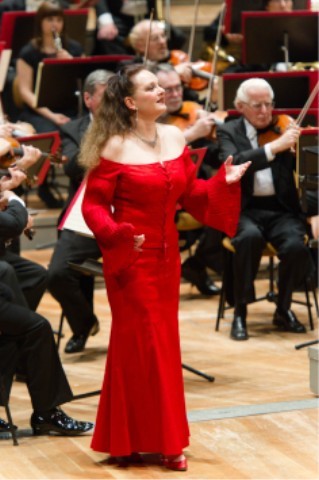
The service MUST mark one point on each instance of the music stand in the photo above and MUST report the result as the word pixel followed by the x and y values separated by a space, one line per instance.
pixel 234 9
pixel 280 37
pixel 59 82
pixel 301 83
pixel 17 28
pixel 46 142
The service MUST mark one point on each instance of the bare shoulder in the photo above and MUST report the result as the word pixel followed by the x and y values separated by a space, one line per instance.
pixel 113 149
pixel 170 133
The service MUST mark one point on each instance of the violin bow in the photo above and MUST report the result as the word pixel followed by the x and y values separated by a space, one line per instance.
pixel 306 106
pixel 167 17
pixel 214 59
pixel 147 47
pixel 192 33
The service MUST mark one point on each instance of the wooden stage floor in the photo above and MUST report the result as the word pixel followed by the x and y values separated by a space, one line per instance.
pixel 258 420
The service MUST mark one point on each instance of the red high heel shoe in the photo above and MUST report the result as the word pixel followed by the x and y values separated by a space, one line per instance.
pixel 177 465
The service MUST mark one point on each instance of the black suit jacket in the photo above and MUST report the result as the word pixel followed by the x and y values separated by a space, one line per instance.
pixel 12 222
pixel 114 6
pixel 72 134
pixel 233 141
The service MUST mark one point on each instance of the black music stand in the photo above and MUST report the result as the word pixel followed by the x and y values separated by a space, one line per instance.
pixel 292 89
pixel 280 37
pixel 59 82
pixel 234 9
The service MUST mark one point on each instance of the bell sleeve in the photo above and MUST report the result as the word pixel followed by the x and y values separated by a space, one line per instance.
pixel 212 202
pixel 116 240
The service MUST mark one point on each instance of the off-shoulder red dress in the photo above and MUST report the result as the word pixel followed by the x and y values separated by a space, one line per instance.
pixel 142 406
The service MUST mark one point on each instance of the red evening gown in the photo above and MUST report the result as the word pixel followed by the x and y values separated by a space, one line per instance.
pixel 142 406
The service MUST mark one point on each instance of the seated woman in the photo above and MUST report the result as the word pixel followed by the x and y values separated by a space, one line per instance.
pixel 50 41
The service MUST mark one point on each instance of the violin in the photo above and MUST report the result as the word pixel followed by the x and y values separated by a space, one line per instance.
pixel 201 69
pixel 278 126
pixel 188 115
pixel 8 159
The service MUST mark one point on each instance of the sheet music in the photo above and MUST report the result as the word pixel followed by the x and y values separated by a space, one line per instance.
pixel 73 218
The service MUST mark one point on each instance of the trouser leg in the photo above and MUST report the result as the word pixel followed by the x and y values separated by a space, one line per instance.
pixel 249 244
pixel 73 290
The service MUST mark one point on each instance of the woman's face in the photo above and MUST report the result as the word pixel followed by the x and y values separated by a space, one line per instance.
pixel 148 97
pixel 50 24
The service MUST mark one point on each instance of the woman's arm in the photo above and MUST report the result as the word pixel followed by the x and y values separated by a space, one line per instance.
pixel 25 85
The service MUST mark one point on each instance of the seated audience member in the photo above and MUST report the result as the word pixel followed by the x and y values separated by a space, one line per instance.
pixel 197 126
pixel 73 290
pixel 270 206
pixel 115 19
pixel 26 338
pixel 49 23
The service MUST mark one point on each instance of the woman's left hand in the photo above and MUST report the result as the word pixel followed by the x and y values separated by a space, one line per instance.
pixel 234 172
pixel 138 242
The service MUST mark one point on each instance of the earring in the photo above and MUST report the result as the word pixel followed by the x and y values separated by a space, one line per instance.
pixel 136 115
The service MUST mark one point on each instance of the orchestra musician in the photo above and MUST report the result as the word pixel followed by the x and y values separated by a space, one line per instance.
pixel 73 290
pixel 115 19
pixel 26 338
pixel 157 48
pixel 270 209
pixel 196 125
pixel 49 42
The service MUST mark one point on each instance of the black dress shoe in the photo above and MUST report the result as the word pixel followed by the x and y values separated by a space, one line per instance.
pixel 5 427
pixel 77 342
pixel 57 422
pixel 286 320
pixel 238 328
pixel 200 279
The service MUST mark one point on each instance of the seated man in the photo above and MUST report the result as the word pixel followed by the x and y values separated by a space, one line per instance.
pixel 158 50
pixel 197 126
pixel 115 19
pixel 72 289
pixel 270 206
pixel 27 338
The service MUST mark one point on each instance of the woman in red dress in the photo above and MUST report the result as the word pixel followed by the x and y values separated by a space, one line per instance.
pixel 139 171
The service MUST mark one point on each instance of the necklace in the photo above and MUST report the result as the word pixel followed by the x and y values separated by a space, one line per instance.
pixel 150 143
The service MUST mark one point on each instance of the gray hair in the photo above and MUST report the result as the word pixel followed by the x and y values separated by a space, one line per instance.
pixel 140 31
pixel 97 77
pixel 242 94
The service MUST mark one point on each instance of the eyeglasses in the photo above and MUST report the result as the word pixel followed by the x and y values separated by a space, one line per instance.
pixel 279 1
pixel 176 88
pixel 156 38
pixel 259 106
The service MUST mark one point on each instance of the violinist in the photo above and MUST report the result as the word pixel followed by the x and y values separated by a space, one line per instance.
pixel 270 209
pixel 26 338
pixel 196 125
pixel 158 47
pixel 115 19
